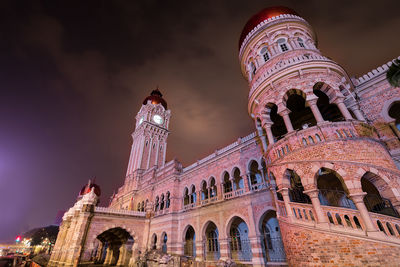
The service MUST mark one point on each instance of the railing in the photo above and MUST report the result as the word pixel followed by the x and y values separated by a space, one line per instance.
pixel 273 249
pixel 347 218
pixel 189 206
pixel 211 249
pixel 233 194
pixel 297 195
pixel 387 224
pixel 336 198
pixel 261 76
pixel 378 204
pixel 282 208
pixel 259 186
pixel 161 211
pixel 318 134
pixel 303 212
pixel 189 248
pixel 208 200
pixel 120 212
pixel 240 249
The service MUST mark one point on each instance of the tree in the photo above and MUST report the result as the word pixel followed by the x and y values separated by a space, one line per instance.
pixel 393 73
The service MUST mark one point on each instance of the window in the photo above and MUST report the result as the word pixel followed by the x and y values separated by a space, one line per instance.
pixel 311 140
pixel 253 68
pixel 301 43
pixel 264 53
pixel 318 138
pixel 304 141
pixel 283 45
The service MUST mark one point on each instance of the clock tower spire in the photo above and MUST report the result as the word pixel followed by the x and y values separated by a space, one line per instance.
pixel 149 144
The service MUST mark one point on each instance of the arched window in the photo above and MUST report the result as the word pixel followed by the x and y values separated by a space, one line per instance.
pixel 227 183
pixel 190 244
pixel 162 202
pixel 157 206
pixel 283 44
pixel 193 197
pixel 138 206
pixel 301 43
pixel 252 68
pixel 168 202
pixel 142 209
pixel 212 244
pixel 186 199
pixel 264 53
pixel 239 244
pixel 204 190
pixel 318 138
pixel 213 188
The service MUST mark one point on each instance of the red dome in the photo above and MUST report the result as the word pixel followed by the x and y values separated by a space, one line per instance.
pixel 264 14
pixel 156 98
pixel 88 187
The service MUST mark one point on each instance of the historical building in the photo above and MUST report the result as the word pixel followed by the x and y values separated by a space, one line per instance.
pixel 316 183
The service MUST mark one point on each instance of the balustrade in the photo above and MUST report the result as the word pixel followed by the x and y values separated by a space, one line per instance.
pixel 318 134
pixel 387 224
pixel 348 218
pixel 120 212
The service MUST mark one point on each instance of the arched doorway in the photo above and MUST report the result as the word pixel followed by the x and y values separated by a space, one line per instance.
pixel 115 247
pixel 331 189
pixel 189 248
pixel 373 200
pixel 154 241
pixel 301 115
pixel 164 239
pixel 271 240
pixel 238 182
pixel 296 187
pixel 211 244
pixel 239 243
pixel 329 111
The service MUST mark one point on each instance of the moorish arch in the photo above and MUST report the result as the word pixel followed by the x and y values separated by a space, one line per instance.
pixel 189 241
pixel 114 247
pixel 239 244
pixel 210 237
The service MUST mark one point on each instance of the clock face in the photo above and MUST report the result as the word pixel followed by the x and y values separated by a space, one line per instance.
pixel 141 120
pixel 157 119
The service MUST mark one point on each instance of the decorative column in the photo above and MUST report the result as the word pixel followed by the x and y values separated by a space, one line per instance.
pixel 313 194
pixel 358 199
pixel 286 200
pixel 315 110
pixel 285 115
pixel 247 186
pixel 357 112
pixel 223 248
pixel 199 250
pixel 343 109
pixel 270 136
pixel 257 257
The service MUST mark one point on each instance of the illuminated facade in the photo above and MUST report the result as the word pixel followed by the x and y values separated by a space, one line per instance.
pixel 316 184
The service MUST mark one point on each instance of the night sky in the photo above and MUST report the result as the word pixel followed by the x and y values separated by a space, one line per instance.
pixel 73 76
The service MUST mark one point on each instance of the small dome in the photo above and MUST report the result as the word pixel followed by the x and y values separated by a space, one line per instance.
pixel 88 187
pixel 264 14
pixel 156 98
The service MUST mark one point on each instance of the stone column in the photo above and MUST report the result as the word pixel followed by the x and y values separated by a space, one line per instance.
pixel 247 186
pixel 199 250
pixel 108 258
pixel 286 200
pixel 270 136
pixel 223 248
pixel 357 112
pixel 315 110
pixel 358 199
pixel 343 109
pixel 221 192
pixel 285 114
pixel 319 214
pixel 122 255
pixel 257 258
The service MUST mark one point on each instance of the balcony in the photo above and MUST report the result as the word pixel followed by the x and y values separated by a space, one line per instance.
pixel 328 131
pixel 345 220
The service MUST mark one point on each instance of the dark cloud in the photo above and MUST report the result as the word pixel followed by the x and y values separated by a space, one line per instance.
pixel 73 76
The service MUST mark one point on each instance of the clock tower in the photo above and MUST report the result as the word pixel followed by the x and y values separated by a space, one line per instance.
pixel 149 144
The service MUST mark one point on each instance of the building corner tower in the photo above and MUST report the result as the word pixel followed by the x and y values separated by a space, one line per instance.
pixel 337 183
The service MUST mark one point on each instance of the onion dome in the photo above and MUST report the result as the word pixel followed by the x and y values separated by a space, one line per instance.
pixel 156 98
pixel 264 14
pixel 88 187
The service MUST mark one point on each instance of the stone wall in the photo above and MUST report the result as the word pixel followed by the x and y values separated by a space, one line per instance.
pixel 310 247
